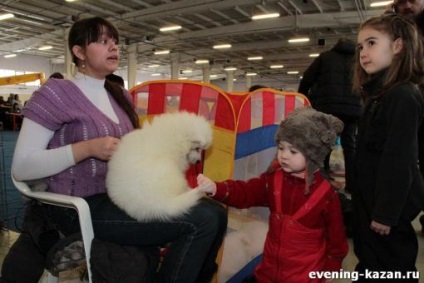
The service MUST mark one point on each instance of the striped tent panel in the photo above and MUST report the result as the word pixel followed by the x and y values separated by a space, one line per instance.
pixel 260 115
pixel 267 107
pixel 163 96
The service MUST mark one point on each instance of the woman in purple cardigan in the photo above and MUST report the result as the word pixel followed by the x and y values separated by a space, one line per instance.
pixel 71 129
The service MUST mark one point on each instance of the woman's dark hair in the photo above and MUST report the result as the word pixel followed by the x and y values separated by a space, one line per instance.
pixel 86 31
pixel 116 79
pixel 117 93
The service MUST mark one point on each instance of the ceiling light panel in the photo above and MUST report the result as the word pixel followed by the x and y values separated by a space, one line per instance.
pixel 381 3
pixel 255 58
pixel 222 46
pixel 162 52
pixel 202 61
pixel 45 47
pixel 6 16
pixel 265 16
pixel 170 28
pixel 299 40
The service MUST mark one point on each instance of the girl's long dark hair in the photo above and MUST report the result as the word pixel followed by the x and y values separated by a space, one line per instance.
pixel 86 31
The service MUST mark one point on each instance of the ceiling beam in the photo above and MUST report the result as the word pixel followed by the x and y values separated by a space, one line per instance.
pixel 186 7
pixel 33 41
pixel 298 22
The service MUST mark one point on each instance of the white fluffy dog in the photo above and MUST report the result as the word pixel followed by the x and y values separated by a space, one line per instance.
pixel 146 174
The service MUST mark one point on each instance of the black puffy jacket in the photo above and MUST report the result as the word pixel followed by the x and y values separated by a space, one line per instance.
pixel 328 82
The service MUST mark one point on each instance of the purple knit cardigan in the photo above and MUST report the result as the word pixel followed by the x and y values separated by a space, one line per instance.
pixel 60 106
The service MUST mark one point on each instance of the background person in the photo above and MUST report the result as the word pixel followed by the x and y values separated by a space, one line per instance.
pixel 412 9
pixel 328 85
pixel 57 75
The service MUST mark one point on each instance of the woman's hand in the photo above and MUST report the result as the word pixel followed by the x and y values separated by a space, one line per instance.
pixel 206 185
pixel 99 148
pixel 380 228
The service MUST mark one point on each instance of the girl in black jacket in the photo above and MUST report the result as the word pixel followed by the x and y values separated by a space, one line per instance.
pixel 389 188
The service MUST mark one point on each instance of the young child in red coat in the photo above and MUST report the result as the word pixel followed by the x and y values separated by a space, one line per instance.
pixel 306 232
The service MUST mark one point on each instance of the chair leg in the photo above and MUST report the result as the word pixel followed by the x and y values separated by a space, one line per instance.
pixel 87 232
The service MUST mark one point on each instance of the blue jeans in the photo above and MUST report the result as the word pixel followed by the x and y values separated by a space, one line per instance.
pixel 194 238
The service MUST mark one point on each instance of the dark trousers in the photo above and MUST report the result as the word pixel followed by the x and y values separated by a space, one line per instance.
pixel 394 252
pixel 194 238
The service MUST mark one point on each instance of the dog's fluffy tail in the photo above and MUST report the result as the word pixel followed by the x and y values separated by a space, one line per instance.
pixel 162 208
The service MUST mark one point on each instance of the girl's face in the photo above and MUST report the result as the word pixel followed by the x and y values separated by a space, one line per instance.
pixel 376 50
pixel 290 158
pixel 101 57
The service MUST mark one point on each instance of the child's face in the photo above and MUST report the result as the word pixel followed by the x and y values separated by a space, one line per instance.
pixel 290 158
pixel 376 50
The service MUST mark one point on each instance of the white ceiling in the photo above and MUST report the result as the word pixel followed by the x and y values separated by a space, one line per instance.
pixel 205 23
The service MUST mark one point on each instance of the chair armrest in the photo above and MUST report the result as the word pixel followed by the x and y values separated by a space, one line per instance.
pixel 77 203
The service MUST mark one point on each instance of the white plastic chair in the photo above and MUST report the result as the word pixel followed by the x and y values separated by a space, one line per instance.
pixel 77 203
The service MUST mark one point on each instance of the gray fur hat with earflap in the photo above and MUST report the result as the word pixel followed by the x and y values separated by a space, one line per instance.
pixel 313 133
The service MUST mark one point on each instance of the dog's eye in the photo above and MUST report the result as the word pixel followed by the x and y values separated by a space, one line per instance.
pixel 198 149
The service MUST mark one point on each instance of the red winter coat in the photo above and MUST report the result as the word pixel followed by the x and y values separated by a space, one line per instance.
pixel 306 232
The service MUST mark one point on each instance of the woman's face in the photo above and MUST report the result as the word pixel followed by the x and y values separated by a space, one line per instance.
pixel 100 58
pixel 376 50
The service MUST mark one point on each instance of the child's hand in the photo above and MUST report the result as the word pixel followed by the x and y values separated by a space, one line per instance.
pixel 380 228
pixel 206 185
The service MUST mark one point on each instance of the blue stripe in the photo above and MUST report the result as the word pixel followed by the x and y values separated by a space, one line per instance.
pixel 255 140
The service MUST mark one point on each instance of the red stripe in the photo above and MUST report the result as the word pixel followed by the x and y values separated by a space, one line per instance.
pixel 224 115
pixel 289 104
pixel 268 110
pixel 190 97
pixel 156 99
pixel 244 121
